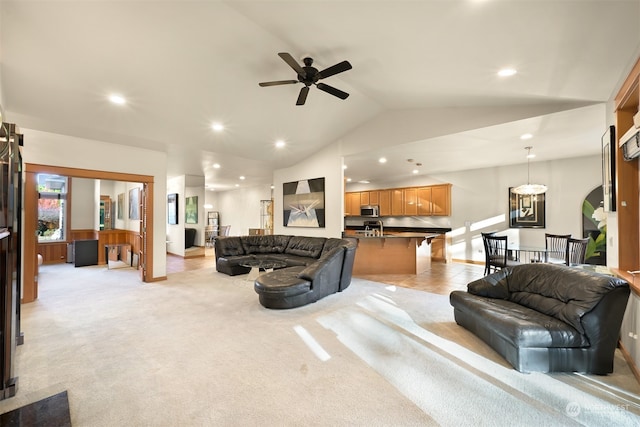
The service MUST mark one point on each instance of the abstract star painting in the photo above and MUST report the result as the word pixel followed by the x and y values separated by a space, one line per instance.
pixel 303 203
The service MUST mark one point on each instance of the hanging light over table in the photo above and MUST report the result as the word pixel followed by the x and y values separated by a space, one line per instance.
pixel 529 188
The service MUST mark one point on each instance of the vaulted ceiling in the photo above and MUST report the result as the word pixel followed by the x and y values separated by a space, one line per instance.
pixel 424 82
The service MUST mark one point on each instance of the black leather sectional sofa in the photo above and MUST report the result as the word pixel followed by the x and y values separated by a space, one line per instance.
pixel 314 266
pixel 546 318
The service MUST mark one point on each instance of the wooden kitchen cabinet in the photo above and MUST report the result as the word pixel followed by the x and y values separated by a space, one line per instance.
pixel 384 201
pixel 352 204
pixel 434 200
pixel 397 202
pixel 438 249
pixel 374 197
pixel 431 200
pixel 441 200
pixel 424 201
pixel 410 200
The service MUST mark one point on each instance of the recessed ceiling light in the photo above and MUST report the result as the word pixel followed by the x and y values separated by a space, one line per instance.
pixel 280 144
pixel 218 127
pixel 344 167
pixel 382 160
pixel 348 179
pixel 237 185
pixel 507 72
pixel 415 171
pixel 526 136
pixel 364 181
pixel 241 178
pixel 117 99
pixel 216 166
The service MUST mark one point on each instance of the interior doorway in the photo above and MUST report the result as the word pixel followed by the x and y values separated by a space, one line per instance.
pixel 30 253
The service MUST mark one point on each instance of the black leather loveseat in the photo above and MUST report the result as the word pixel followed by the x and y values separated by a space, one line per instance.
pixel 314 266
pixel 546 318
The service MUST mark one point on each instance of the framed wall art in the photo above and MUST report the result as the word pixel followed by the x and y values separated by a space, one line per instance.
pixel 134 204
pixel 526 210
pixel 609 169
pixel 303 203
pixel 172 208
pixel 121 206
pixel 191 210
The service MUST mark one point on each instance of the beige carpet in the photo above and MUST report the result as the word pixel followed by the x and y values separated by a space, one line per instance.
pixel 199 350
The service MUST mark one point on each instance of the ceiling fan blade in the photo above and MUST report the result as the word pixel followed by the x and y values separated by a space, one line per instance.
pixel 292 63
pixel 303 95
pixel 279 82
pixel 334 69
pixel 332 90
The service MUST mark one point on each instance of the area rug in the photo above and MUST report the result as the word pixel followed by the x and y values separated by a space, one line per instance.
pixel 52 411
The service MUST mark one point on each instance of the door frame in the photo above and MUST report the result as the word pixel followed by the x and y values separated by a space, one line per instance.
pixel 30 255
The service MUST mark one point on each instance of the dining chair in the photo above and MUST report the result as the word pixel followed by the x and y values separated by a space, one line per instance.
pixel 577 251
pixel 556 246
pixel 486 251
pixel 497 253
pixel 224 230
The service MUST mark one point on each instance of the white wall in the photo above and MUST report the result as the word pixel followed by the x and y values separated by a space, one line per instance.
pixel 326 163
pixel 202 215
pixel 239 208
pixel 83 208
pixel 175 232
pixel 66 151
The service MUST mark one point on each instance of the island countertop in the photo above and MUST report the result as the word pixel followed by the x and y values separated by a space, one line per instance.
pixel 397 253
pixel 416 235
pixel 394 230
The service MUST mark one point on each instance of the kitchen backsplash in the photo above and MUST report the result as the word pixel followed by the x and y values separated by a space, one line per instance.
pixel 404 221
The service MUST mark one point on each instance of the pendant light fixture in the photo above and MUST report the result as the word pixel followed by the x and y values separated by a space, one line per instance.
pixel 529 188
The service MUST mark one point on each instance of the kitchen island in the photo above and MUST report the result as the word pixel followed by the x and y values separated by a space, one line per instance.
pixel 397 253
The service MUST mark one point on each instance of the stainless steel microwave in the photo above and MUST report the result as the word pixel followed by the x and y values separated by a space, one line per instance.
pixel 370 211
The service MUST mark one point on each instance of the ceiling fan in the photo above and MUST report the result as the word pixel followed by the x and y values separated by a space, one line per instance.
pixel 309 75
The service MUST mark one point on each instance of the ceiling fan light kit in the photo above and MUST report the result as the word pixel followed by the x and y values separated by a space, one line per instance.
pixel 309 75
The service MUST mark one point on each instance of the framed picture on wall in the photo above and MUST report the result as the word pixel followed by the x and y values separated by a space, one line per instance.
pixel 609 169
pixel 172 208
pixel 191 210
pixel 121 206
pixel 304 203
pixel 526 210
pixel 134 204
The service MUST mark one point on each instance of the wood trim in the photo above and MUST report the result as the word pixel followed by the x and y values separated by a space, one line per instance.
pixel 627 102
pixel 630 361
pixel 628 86
pixel 30 254
pixel 87 173
pixel 29 249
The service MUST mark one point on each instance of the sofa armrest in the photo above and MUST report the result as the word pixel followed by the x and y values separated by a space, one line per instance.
pixel 326 268
pixel 492 286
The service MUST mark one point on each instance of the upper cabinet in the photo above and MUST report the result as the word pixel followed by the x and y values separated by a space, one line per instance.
pixel 433 200
pixel 441 200
pixel 384 201
pixel 352 204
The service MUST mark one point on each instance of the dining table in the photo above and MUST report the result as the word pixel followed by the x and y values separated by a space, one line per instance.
pixel 527 253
